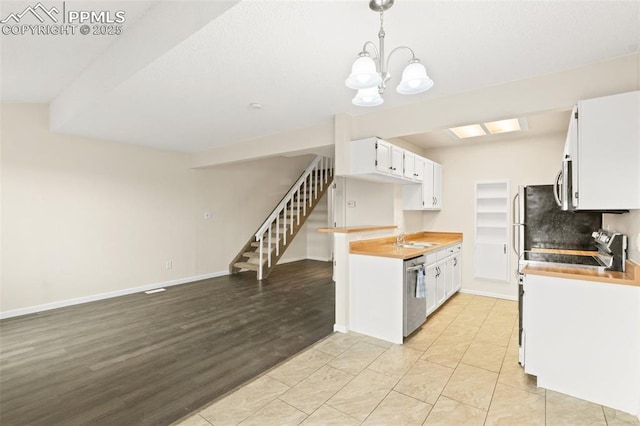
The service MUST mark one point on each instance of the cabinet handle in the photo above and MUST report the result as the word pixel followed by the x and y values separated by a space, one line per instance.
pixel 455 261
pixel 505 249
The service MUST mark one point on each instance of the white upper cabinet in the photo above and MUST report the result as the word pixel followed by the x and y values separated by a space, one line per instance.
pixel 382 155
pixel 397 158
pixel 409 165
pixel 603 145
pixel 413 166
pixel 427 196
pixel 378 160
pixel 418 168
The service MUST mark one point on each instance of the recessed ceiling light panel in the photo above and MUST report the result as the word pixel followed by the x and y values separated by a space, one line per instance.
pixel 505 126
pixel 470 131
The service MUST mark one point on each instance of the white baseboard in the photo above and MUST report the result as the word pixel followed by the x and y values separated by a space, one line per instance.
pixel 488 294
pixel 101 296
pixel 340 328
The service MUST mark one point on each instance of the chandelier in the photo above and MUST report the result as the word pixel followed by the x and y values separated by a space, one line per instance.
pixel 369 75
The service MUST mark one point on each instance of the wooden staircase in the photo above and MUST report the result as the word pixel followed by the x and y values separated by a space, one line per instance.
pixel 263 250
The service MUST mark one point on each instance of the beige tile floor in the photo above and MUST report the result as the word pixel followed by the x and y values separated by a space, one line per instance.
pixel 460 368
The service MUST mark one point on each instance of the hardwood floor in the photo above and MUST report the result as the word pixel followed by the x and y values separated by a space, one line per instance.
pixel 152 359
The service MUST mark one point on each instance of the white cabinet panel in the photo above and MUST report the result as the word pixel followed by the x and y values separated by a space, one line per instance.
pixel 441 293
pixel 418 168
pixel 492 261
pixel 383 156
pixel 583 339
pixel 437 186
pixel 397 155
pixel 428 195
pixel 409 165
pixel 608 152
pixel 431 282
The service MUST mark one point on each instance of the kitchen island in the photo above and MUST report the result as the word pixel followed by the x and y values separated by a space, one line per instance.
pixel 581 333
pixel 376 266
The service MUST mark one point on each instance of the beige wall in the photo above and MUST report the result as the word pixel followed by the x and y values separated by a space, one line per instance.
pixel 374 203
pixel 240 196
pixel 529 162
pixel 83 218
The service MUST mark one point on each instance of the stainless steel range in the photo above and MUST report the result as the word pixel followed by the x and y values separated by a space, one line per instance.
pixel 611 256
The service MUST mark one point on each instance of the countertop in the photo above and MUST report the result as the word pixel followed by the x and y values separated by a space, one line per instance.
pixel 384 247
pixel 354 229
pixel 631 276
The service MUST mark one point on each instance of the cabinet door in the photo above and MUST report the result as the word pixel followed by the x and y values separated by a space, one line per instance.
pixel 571 152
pixel 447 270
pixel 431 281
pixel 437 185
pixel 383 156
pixel 427 185
pixel 397 155
pixel 609 153
pixel 409 165
pixel 492 261
pixel 418 169
pixel 441 292
pixel 456 272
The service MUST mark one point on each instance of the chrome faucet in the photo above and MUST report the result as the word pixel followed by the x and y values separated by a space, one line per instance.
pixel 400 238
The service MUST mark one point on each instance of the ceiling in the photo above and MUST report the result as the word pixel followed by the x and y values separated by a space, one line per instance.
pixel 182 74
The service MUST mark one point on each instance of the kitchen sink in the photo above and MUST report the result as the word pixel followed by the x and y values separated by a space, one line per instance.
pixel 415 245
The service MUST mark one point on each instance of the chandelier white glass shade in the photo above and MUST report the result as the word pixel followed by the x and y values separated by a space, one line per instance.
pixel 369 75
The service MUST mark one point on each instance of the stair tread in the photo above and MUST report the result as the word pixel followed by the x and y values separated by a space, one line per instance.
pixel 264 244
pixel 296 213
pixel 246 265
pixel 251 254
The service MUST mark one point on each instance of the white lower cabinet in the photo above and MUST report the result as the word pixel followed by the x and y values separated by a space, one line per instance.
pixel 443 276
pixel 376 290
pixel 582 338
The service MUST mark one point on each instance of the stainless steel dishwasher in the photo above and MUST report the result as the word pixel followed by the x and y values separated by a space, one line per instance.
pixel 414 309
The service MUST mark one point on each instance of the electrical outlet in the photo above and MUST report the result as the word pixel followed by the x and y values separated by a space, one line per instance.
pixel 208 216
pixel 168 264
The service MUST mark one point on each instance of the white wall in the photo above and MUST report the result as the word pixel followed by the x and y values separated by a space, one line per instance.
pixel 529 162
pixel 83 218
pixel 319 244
pixel 374 203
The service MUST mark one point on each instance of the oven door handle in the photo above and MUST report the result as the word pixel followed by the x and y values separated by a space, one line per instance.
pixel 414 268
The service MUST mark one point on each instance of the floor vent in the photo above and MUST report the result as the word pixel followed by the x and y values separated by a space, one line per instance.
pixel 157 290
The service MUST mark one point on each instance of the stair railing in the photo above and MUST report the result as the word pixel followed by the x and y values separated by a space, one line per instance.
pixel 310 184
